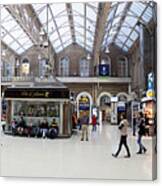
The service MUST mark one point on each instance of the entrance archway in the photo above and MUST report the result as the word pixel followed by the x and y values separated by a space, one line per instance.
pixel 122 104
pixel 104 104
pixel 84 103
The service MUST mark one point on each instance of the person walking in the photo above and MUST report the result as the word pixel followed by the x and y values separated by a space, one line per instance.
pixel 123 127
pixel 94 123
pixel 84 121
pixel 134 124
pixel 141 133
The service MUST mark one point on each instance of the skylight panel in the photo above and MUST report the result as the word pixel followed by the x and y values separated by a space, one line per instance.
pixel 137 8
pixel 8 39
pixel 78 7
pixel 54 36
pixel 67 42
pixel 129 43
pixel 147 15
pixel 122 38
pixel 57 8
pixel 118 43
pixel 90 13
pixel 14 45
pixel 134 35
pixel 125 30
pixel 131 21
pixel 20 50
pixel 125 49
pixel 120 8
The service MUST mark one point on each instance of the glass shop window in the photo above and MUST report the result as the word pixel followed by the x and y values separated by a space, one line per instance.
pixel 64 66
pixel 123 67
pixel 84 67
pixel 37 111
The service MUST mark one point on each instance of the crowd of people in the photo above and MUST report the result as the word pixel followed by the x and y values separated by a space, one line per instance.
pixel 43 128
pixel 51 130
pixel 139 129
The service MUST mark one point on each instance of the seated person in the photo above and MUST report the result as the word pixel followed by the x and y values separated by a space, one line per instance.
pixel 54 129
pixel 21 125
pixel 14 126
pixel 3 123
pixel 44 128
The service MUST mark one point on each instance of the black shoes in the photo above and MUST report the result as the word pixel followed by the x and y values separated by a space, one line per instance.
pixel 114 155
pixel 128 156
pixel 83 140
pixel 145 150
pixel 140 152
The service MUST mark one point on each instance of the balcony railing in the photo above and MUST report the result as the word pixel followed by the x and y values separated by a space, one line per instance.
pixel 67 79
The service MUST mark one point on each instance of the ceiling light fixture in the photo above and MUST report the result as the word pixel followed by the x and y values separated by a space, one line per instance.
pixel 41 33
pixel 107 51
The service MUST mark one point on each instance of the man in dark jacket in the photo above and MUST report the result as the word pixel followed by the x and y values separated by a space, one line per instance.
pixel 141 133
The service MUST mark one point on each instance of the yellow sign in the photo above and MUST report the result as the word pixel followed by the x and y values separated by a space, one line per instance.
pixel 150 93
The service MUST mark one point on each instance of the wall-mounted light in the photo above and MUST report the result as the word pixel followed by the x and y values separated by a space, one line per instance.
pixel 88 56
pixel 3 53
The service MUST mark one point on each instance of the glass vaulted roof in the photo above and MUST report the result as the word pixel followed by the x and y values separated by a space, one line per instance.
pixel 69 23
pixel 121 27
pixel 12 34
pixel 76 23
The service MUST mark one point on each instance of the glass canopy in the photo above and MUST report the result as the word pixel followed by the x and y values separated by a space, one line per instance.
pixel 12 34
pixel 122 28
pixel 69 23
pixel 76 23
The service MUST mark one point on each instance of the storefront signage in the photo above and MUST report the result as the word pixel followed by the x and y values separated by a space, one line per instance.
pixel 36 93
pixel 104 70
pixel 84 103
pixel 150 93
pixel 150 83
pixel 114 99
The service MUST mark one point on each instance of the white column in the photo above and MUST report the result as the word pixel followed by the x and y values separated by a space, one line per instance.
pixel 129 89
pixel 61 118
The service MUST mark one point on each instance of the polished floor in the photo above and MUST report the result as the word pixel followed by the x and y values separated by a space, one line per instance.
pixel 72 158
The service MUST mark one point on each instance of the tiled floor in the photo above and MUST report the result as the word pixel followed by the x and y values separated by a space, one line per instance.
pixel 72 158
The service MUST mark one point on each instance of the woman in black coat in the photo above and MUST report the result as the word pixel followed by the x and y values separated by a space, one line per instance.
pixel 141 133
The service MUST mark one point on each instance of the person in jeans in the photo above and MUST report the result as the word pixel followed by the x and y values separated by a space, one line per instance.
pixel 123 127
pixel 84 121
pixel 141 133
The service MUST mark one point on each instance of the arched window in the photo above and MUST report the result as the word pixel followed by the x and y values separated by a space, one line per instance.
pixel 25 67
pixel 64 66
pixel 42 67
pixel 106 61
pixel 122 67
pixel 8 68
pixel 84 67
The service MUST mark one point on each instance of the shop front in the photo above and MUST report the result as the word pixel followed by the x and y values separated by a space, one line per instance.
pixel 37 104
